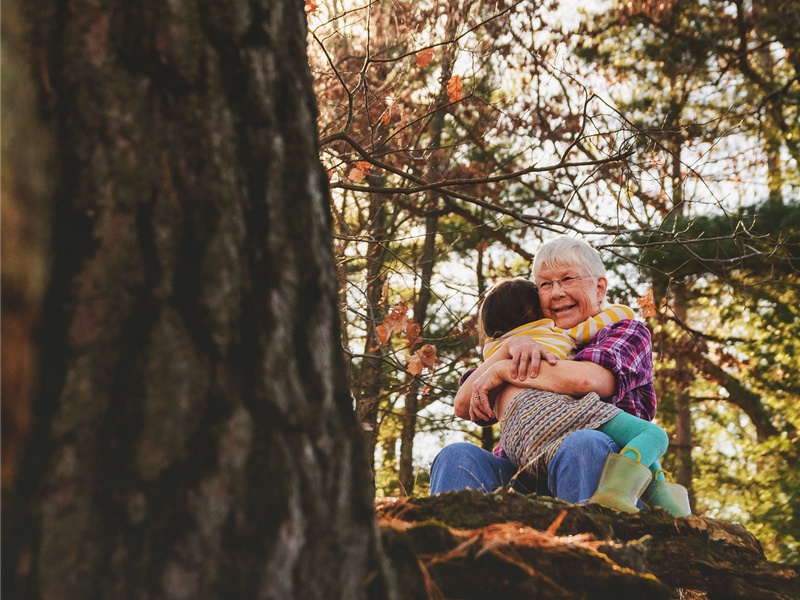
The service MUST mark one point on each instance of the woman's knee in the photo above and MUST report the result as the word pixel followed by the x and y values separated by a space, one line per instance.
pixel 588 442
pixel 456 454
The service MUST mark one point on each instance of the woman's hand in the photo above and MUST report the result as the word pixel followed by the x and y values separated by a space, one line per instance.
pixel 480 405
pixel 526 356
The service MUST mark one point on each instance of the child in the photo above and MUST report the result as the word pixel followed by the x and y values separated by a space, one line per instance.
pixel 533 423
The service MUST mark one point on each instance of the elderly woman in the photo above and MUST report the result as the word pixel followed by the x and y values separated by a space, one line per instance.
pixel 616 363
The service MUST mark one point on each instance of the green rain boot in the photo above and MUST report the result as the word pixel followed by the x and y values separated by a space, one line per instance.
pixel 622 482
pixel 668 495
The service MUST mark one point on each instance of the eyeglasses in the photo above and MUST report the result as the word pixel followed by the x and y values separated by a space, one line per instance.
pixel 546 287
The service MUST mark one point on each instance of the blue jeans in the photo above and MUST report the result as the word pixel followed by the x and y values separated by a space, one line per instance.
pixel 572 474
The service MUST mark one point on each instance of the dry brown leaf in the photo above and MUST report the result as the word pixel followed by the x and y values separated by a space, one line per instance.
pixel 455 89
pixel 384 292
pixel 383 333
pixel 647 304
pixel 397 318
pixel 355 174
pixel 424 57
pixel 427 354
pixel 414 364
pixel 412 332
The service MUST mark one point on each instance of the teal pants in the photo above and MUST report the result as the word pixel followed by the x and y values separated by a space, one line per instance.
pixel 648 438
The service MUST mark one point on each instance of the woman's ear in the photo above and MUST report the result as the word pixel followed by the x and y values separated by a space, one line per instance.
pixel 602 288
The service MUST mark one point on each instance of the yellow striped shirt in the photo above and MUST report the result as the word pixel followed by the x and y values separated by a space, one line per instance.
pixel 562 342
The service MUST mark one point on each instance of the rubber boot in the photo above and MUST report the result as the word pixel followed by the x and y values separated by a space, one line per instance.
pixel 621 483
pixel 671 496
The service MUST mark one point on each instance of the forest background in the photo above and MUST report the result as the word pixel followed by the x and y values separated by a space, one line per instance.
pixel 459 136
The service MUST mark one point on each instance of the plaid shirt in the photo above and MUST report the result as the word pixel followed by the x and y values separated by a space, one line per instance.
pixel 625 349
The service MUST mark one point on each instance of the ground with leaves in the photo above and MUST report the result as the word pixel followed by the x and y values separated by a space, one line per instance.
pixel 473 545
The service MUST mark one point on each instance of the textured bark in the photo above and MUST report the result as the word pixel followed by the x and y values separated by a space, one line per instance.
pixel 195 436
pixel 471 545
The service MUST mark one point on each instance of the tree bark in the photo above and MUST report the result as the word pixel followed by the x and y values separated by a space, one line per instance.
pixel 195 436
pixel 506 545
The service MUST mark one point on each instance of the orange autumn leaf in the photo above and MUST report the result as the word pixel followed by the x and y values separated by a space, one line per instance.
pixel 424 57
pixel 413 364
pixel 412 332
pixel 383 333
pixel 355 175
pixel 397 318
pixel 363 165
pixel 311 6
pixel 385 118
pixel 647 304
pixel 427 355
pixel 455 89
pixel 424 357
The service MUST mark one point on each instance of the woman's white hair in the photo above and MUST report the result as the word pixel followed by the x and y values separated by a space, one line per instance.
pixel 566 252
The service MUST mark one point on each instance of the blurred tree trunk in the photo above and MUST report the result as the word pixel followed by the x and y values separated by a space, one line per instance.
pixel 370 383
pixel 488 440
pixel 411 399
pixel 684 467
pixel 194 433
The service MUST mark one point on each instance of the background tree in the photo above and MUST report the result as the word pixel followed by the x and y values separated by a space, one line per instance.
pixel 194 433
pixel 625 125
pixel 715 100
pixel 415 118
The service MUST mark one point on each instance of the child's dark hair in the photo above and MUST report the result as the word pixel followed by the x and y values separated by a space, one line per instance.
pixel 507 305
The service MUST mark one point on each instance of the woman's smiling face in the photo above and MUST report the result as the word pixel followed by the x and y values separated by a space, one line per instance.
pixel 581 298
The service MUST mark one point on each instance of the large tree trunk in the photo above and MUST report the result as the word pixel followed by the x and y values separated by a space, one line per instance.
pixel 195 436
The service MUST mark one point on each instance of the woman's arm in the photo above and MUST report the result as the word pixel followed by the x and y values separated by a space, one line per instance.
pixel 574 378
pixel 566 377
pixel 563 377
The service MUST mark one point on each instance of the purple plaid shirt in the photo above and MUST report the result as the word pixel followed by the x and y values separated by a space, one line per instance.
pixel 625 349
